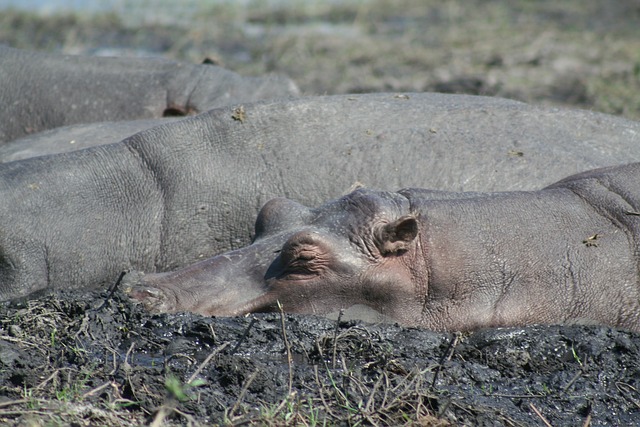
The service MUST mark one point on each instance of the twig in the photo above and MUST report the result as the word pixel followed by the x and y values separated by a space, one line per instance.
pixel 213 332
pixel 626 389
pixel 329 375
pixel 442 410
pixel 520 396
pixel 19 413
pixel 49 378
pixel 84 326
pixel 287 346
pixel 374 389
pixel 97 389
pixel 189 417
pixel 158 420
pixel 355 380
pixel 572 381
pixel 128 354
pixel 244 336
pixel 13 402
pixel 243 392
pixel 126 367
pixel 112 291
pixel 322 393
pixel 18 341
pixel 290 394
pixel 206 361
pixel 129 402
pixel 335 339
pixel 539 414
pixel 114 359
pixel 446 357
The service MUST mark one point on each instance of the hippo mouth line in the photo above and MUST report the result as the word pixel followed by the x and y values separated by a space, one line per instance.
pixel 263 304
pixel 158 299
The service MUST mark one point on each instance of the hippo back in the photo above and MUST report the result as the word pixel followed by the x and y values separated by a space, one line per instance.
pixel 182 191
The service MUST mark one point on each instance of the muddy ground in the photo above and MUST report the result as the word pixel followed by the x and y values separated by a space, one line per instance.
pixel 97 359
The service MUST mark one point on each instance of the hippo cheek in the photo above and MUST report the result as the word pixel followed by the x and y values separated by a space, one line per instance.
pixel 311 294
pixel 292 296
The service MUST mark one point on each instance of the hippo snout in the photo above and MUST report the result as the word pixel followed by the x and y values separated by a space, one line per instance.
pixel 153 298
pixel 224 285
pixel 131 282
pixel 130 279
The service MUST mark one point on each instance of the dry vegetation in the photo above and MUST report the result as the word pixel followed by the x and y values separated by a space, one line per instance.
pixel 581 53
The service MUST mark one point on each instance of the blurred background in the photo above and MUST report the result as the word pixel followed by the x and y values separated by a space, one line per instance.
pixel 580 53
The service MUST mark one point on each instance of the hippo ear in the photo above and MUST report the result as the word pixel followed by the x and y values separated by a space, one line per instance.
pixel 395 237
pixel 279 214
pixel 355 186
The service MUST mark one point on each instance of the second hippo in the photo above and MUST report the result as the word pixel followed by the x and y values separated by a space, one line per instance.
pixel 440 260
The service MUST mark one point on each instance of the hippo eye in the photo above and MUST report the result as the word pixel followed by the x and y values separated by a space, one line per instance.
pixel 306 255
pixel 297 259
pixel 298 262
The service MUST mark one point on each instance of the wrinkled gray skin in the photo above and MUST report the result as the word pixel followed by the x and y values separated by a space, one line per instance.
pixel 187 190
pixel 40 91
pixel 439 260
pixel 75 137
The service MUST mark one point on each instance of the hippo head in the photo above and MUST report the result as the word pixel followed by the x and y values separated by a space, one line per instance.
pixel 362 250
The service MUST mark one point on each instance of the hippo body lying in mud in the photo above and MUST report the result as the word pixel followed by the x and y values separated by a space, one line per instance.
pixel 40 91
pixel 439 260
pixel 179 192
pixel 75 137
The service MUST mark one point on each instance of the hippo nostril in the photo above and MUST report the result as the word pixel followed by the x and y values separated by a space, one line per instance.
pixel 146 292
pixel 154 299
pixel 130 280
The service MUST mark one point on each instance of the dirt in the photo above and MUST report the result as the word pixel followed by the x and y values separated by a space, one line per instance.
pixel 97 359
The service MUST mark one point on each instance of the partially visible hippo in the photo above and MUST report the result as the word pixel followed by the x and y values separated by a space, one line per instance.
pixel 184 191
pixel 446 261
pixel 40 91
pixel 75 137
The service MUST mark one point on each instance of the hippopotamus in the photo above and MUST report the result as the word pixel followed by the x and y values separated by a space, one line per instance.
pixel 75 137
pixel 447 261
pixel 170 195
pixel 40 91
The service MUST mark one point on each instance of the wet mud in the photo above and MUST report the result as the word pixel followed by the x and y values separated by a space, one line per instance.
pixel 100 359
